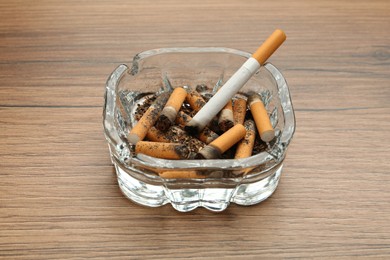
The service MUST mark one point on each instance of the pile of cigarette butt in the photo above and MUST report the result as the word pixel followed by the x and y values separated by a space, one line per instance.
pixel 184 124
pixel 241 129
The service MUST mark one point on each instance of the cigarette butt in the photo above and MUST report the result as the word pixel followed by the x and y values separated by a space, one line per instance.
pixel 245 146
pixel 220 145
pixel 195 100
pixel 172 151
pixel 168 114
pixel 235 82
pixel 181 175
pixel 269 46
pixel 239 110
pixel 156 135
pixel 178 135
pixel 229 138
pixel 206 135
pixel 139 131
pixel 259 113
pixel 182 118
pixel 176 99
pixel 226 120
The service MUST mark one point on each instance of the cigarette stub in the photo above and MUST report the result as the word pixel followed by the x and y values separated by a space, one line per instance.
pixel 226 120
pixel 234 84
pixel 181 175
pixel 239 110
pixel 245 146
pixel 168 114
pixel 156 135
pixel 139 131
pixel 178 135
pixel 220 145
pixel 260 115
pixel 206 135
pixel 174 151
pixel 195 100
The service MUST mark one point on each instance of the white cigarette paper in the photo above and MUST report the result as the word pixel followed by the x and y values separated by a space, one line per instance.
pixel 227 91
pixel 236 82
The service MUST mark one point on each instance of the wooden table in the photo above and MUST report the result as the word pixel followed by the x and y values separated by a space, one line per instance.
pixel 59 198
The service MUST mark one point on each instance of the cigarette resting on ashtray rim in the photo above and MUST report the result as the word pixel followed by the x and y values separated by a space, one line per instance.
pixel 235 83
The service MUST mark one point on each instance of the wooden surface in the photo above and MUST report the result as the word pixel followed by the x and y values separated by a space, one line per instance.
pixel 58 193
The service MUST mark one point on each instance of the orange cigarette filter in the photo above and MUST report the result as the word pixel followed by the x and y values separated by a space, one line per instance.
pixel 206 135
pixel 226 120
pixel 245 146
pixel 174 151
pixel 222 143
pixel 260 115
pixel 168 114
pixel 139 131
pixel 181 175
pixel 229 138
pixel 156 135
pixel 182 118
pixel 239 110
pixel 177 98
pixel 269 46
pixel 195 100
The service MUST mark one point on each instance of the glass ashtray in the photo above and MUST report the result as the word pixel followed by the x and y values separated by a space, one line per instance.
pixel 244 181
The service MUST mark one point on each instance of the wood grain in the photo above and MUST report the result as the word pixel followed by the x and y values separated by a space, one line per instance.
pixel 58 193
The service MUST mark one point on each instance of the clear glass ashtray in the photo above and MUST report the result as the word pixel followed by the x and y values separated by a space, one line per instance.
pixel 244 181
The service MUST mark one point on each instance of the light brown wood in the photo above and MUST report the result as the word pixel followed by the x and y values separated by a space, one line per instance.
pixel 58 193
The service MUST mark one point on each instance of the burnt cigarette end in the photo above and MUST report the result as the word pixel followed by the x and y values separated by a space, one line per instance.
pixel 226 118
pixel 225 125
pixel 163 123
pixel 195 100
pixel 209 152
pixel 207 136
pixel 253 98
pixel 182 151
pixel 201 88
pixel 192 128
